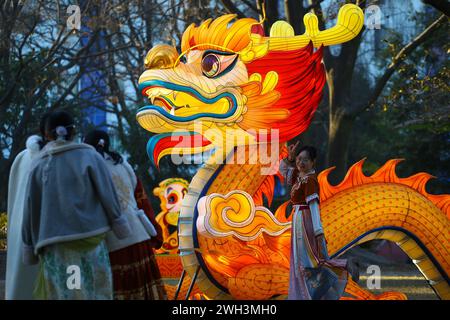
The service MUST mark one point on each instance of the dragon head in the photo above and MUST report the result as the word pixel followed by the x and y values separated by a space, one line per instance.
pixel 232 81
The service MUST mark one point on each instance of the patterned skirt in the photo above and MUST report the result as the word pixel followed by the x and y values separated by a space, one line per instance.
pixel 309 278
pixel 135 273
pixel 69 271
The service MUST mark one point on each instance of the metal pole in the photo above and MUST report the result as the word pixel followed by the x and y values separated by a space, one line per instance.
pixel 191 286
pixel 183 274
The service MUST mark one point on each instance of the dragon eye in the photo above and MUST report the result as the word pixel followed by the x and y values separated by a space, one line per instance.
pixel 210 65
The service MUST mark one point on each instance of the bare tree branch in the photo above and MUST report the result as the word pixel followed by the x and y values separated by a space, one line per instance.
pixel 250 5
pixel 400 57
pixel 231 8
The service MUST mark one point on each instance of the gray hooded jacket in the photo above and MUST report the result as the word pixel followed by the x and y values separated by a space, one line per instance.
pixel 70 195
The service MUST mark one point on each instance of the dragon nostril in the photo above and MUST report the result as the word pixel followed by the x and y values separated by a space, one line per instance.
pixel 161 56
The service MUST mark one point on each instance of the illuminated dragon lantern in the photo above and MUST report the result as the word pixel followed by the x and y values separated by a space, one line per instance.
pixel 224 93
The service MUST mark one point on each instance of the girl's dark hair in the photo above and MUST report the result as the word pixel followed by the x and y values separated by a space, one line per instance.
pixel 312 152
pixel 42 126
pixel 94 138
pixel 59 118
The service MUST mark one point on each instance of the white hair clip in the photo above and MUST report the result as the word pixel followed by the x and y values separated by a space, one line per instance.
pixel 101 142
pixel 61 132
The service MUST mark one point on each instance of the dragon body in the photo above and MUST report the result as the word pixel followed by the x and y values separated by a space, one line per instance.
pixel 240 96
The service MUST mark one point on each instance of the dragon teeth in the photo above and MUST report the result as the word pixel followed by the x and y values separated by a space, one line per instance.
pixel 155 92
pixel 172 111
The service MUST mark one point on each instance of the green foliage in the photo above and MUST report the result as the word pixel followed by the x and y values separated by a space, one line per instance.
pixel 3 230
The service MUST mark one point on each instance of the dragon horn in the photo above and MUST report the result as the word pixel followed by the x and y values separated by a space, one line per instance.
pixel 349 23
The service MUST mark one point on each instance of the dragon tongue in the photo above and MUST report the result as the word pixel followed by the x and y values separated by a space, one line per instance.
pixel 162 144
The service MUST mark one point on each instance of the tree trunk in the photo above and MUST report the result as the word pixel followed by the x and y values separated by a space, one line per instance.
pixel 294 15
pixel 342 112
pixel 272 12
pixel 341 125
